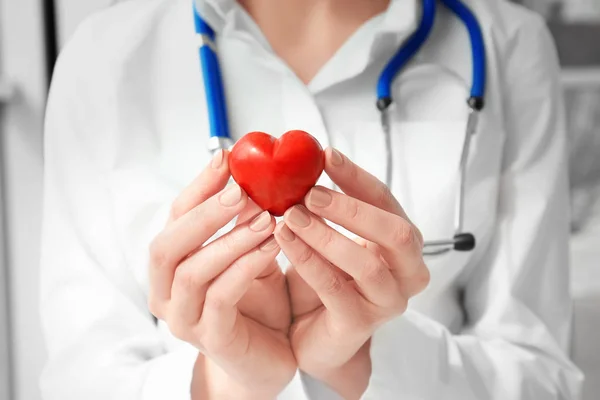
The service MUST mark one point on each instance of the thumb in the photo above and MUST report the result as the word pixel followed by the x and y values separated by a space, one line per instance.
pixel 250 211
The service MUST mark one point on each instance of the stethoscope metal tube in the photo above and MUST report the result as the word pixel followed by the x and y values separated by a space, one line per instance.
pixel 461 241
pixel 219 126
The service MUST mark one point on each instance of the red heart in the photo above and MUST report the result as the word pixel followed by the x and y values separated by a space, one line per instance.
pixel 277 173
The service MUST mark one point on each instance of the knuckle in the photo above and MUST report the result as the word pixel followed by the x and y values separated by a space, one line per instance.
pixel 177 209
pixel 214 301
pixel 422 279
pixel 158 252
pixel 242 268
pixel 416 282
pixel 419 236
pixel 333 285
pixel 186 280
pixel 403 233
pixel 179 330
pixel 352 209
pixel 231 240
pixel 306 255
pixel 400 306
pixel 384 194
pixel 327 238
pixel 353 172
pixel 374 272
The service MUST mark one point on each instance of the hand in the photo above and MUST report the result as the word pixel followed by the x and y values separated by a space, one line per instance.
pixel 228 298
pixel 343 290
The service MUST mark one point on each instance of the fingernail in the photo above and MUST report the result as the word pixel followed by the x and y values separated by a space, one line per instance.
pixel 261 222
pixel 336 157
pixel 231 196
pixel 298 216
pixel 269 244
pixel 286 234
pixel 319 197
pixel 217 159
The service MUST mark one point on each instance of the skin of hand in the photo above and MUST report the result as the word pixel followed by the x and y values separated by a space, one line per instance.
pixel 343 290
pixel 228 297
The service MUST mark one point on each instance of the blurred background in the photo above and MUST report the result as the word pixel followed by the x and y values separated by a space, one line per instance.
pixel 32 33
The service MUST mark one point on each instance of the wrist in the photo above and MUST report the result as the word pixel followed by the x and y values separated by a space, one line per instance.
pixel 351 379
pixel 210 382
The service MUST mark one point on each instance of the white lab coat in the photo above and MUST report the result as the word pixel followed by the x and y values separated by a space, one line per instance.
pixel 127 129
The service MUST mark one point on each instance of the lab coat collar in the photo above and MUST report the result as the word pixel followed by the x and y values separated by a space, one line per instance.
pixel 400 17
pixel 215 12
pixel 394 26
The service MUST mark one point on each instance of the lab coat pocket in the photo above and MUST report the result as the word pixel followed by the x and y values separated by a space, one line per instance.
pixel 426 161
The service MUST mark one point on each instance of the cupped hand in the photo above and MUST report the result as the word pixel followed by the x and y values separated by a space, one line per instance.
pixel 228 297
pixel 342 290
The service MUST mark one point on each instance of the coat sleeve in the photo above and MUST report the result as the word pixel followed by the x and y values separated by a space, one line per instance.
pixel 102 341
pixel 516 300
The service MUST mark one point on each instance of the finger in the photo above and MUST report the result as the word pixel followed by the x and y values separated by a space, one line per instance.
pixel 361 218
pixel 372 247
pixel 358 183
pixel 220 307
pixel 392 232
pixel 336 294
pixel 194 274
pixel 251 210
pixel 185 235
pixel 210 181
pixel 367 244
pixel 371 275
pixel 303 298
pixel 398 239
pixel 267 300
pixel 361 241
pixel 271 269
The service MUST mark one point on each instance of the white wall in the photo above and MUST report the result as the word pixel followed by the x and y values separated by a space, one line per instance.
pixel 21 136
pixel 22 60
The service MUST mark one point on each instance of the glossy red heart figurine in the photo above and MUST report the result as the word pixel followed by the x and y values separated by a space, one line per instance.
pixel 277 173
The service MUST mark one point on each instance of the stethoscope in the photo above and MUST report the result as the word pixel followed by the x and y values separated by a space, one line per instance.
pixel 220 137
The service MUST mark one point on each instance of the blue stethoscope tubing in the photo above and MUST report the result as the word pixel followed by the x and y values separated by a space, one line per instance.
pixel 213 81
pixel 217 110
pixel 418 39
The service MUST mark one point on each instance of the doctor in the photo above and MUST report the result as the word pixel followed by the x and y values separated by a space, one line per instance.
pixel 294 309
